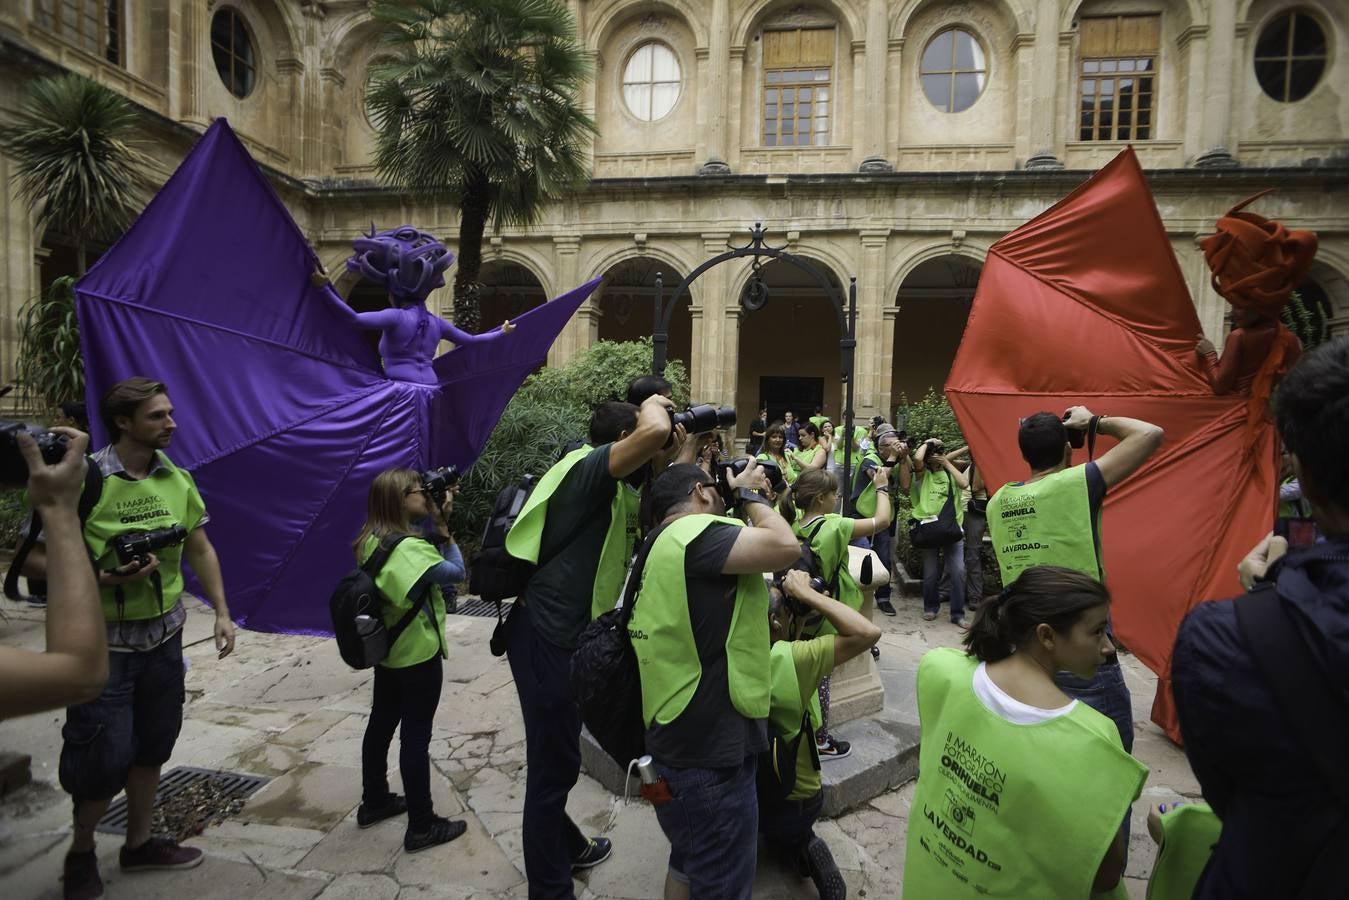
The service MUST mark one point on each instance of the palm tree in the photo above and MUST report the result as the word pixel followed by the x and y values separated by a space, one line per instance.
pixel 479 107
pixel 73 165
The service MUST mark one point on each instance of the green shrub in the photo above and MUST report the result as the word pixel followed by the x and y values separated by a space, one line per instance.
pixel 931 416
pixel 13 511
pixel 551 409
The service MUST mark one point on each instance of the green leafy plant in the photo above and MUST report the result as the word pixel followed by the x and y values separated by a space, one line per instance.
pixel 73 164
pixel 479 107
pixel 1306 320
pixel 551 409
pixel 13 513
pixel 930 416
pixel 50 367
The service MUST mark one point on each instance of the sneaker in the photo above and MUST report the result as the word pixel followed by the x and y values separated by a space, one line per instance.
pixel 159 853
pixel 372 813
pixel 833 748
pixel 886 607
pixel 596 852
pixel 79 879
pixel 960 622
pixel 929 617
pixel 438 831
pixel 824 871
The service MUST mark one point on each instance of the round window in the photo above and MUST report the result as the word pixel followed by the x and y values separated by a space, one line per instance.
pixel 651 81
pixel 953 70
pixel 233 52
pixel 1290 56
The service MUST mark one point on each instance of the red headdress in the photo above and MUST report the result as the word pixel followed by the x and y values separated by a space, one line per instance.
pixel 1256 262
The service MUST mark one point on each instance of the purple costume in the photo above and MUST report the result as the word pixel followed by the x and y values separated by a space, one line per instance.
pixel 285 413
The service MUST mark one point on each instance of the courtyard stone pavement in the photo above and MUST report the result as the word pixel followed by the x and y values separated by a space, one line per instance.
pixel 287 707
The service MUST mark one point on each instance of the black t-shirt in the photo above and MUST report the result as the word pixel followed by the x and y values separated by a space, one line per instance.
pixel 577 521
pixel 710 733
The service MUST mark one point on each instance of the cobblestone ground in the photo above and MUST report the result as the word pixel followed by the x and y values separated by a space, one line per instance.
pixel 287 707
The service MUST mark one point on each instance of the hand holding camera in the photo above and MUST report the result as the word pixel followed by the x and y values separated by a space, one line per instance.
pixel 54 484
pixel 880 477
pixel 751 477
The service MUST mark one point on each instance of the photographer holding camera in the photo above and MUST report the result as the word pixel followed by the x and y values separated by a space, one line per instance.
pixel 408 682
pixel 699 629
pixel 147 519
pixel 798 665
pixel 575 528
pixel 933 483
pixel 1054 518
pixel 74 667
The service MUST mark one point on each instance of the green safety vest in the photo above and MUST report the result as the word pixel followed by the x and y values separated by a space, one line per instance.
pixel 803 458
pixel 662 633
pixel 791 472
pixel 1189 834
pixel 818 421
pixel 859 432
pixel 787 707
pixel 927 495
pixel 830 542
pixel 526 534
pixel 1004 810
pixel 1045 522
pixel 866 501
pixel 1292 509
pixel 425 635
pixel 166 497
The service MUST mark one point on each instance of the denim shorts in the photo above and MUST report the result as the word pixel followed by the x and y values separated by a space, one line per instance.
pixel 134 722
pixel 713 828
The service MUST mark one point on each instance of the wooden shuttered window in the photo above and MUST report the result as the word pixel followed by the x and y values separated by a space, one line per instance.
pixel 94 26
pixel 1118 77
pixel 798 87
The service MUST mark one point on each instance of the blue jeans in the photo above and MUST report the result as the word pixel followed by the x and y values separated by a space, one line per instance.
pixel 953 555
pixel 883 543
pixel 713 828
pixel 552 755
pixel 1108 695
pixel 134 722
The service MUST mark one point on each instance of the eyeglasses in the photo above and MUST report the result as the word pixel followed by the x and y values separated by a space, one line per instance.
pixel 706 484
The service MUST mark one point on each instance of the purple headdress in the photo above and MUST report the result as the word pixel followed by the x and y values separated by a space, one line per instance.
pixel 410 263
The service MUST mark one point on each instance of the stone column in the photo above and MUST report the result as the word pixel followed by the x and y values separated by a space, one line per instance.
pixel 1218 86
pixel 719 350
pixel 714 92
pixel 1193 42
pixel 580 329
pixel 191 60
pixel 877 49
pixel 885 391
pixel 1044 88
pixel 872 337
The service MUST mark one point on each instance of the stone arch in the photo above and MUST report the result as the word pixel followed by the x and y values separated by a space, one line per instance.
pixel 607 17
pixel 1193 10
pixel 755 14
pixel 1019 16
pixel 1328 271
pixel 834 265
pixel 281 30
pixel 932 305
pixel 511 285
pixel 603 261
pixel 769 364
pixel 976 251
pixel 625 302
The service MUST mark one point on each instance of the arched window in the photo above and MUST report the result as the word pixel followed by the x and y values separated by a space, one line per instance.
pixel 651 81
pixel 953 70
pixel 1290 56
pixel 233 51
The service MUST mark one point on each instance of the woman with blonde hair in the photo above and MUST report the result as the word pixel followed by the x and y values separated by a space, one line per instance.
pixel 408 681
pixel 815 495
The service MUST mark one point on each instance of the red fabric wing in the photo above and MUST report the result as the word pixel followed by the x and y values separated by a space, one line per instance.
pixel 1086 304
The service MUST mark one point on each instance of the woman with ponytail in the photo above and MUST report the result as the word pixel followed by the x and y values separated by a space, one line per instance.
pixel 814 452
pixel 815 495
pixel 1021 788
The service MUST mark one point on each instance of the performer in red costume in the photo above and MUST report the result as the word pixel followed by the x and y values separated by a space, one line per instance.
pixel 1065 315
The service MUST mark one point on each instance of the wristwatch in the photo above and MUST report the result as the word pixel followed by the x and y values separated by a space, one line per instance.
pixel 745 495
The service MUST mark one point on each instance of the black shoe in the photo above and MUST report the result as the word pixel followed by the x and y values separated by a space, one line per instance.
pixel 875 652
pixel 437 831
pixel 373 813
pixel 596 852
pixel 824 871
pixel 833 748
pixel 886 607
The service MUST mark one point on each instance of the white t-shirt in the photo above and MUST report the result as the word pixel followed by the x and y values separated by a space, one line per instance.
pixel 1000 703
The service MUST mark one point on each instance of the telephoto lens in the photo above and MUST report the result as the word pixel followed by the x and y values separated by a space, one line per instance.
pixel 701 419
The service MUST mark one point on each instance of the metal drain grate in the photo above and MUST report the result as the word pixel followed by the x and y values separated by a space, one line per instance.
pixel 482 608
pixel 177 780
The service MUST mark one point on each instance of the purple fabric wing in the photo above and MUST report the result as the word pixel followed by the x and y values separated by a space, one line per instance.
pixel 285 415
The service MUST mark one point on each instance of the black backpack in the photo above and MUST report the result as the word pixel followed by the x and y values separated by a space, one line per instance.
pixel 493 573
pixel 355 606
pixel 777 765
pixel 605 679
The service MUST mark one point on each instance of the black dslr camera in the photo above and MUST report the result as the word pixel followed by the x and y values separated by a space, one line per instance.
pixel 817 585
pixel 701 419
pixel 727 471
pixel 13 467
pixel 1077 437
pixel 136 546
pixel 437 482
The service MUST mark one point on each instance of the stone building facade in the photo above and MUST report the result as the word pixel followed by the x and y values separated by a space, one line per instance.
pixel 888 140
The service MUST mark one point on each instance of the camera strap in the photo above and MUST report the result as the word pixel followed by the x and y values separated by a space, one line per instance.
pixel 1093 427
pixel 93 489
